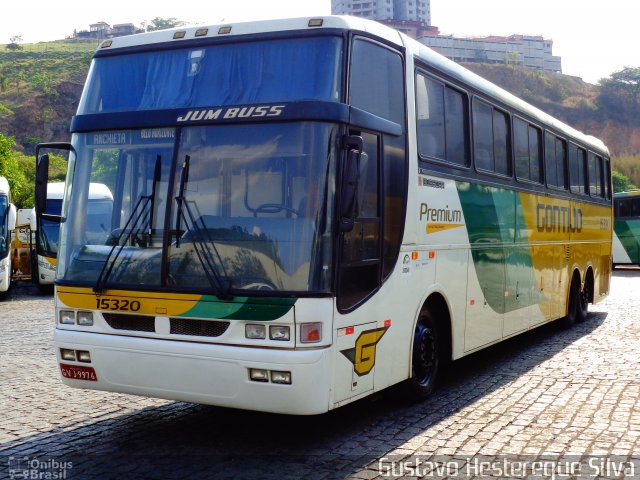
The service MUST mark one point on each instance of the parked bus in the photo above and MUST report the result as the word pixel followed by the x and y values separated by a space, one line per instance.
pixel 23 245
pixel 307 211
pixel 100 204
pixel 7 228
pixel 626 238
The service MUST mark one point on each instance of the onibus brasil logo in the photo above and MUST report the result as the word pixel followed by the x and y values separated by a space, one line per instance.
pixel 363 354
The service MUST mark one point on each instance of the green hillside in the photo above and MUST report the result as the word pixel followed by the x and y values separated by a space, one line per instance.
pixel 41 84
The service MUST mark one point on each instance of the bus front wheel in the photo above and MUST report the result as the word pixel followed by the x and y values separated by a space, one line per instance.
pixel 425 363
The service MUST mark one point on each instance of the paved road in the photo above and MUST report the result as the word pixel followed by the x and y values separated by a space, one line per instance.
pixel 571 397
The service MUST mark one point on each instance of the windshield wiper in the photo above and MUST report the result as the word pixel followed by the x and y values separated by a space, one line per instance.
pixel 203 244
pixel 134 227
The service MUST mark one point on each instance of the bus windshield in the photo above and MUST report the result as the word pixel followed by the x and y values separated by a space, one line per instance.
pixel 224 74
pixel 4 225
pixel 48 231
pixel 216 208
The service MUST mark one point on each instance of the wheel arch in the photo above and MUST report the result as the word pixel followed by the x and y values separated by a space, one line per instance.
pixel 437 304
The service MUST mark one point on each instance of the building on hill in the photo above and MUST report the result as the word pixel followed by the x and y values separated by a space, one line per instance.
pixel 418 11
pixel 413 17
pixel 102 30
pixel 123 29
pixel 528 51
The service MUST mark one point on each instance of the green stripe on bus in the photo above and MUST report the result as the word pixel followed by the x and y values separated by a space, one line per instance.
pixel 492 215
pixel 242 308
pixel 628 232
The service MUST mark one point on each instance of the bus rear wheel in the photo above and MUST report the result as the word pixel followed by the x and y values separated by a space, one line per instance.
pixel 574 301
pixel 426 358
pixel 583 302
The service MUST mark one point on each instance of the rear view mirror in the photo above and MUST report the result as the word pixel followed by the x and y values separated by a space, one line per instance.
pixel 42 178
pixel 349 186
pixel 42 174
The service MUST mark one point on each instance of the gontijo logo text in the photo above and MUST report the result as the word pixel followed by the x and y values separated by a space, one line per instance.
pixel 552 218
pixel 231 113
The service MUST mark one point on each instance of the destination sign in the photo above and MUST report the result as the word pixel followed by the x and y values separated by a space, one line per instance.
pixel 130 137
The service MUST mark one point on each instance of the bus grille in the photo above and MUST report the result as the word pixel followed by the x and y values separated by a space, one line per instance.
pixel 198 328
pixel 135 323
pixel 179 326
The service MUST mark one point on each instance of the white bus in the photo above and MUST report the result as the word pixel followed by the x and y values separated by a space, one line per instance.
pixel 310 210
pixel 7 228
pixel 626 228
pixel 100 204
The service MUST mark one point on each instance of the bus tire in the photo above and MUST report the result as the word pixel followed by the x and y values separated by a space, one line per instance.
pixel 585 298
pixel 426 357
pixel 574 302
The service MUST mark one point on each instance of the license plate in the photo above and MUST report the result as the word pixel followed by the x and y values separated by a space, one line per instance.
pixel 78 372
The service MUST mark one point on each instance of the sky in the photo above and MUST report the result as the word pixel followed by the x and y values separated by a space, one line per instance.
pixel 593 38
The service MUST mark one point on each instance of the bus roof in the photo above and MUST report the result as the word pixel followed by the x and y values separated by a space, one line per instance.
pixel 97 191
pixel 4 186
pixel 628 193
pixel 413 47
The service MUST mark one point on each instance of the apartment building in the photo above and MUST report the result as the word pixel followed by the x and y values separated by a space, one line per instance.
pixel 413 17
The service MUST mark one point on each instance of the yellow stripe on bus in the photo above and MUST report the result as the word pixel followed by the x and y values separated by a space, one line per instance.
pixel 144 303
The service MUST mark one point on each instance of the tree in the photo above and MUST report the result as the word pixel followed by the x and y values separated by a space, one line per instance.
pixel 10 169
pixel 5 111
pixel 513 58
pixel 620 94
pixel 621 182
pixel 14 42
pixel 160 23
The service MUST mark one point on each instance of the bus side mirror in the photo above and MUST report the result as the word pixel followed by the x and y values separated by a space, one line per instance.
pixel 42 178
pixel 349 190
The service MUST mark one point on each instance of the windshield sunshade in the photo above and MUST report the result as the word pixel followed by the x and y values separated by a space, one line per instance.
pixel 225 74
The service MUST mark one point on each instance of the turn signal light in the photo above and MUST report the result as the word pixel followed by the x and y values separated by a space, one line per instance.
pixel 311 332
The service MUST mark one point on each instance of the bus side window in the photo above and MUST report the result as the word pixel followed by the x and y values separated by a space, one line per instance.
pixel 577 169
pixel 595 174
pixel 442 127
pixel 491 137
pixel 527 151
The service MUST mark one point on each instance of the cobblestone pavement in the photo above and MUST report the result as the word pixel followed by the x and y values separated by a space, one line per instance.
pixel 567 395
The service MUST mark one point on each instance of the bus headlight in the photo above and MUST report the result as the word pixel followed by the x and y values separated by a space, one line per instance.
pixel 259 375
pixel 47 266
pixel 281 377
pixel 279 332
pixel 85 318
pixel 83 356
pixel 255 332
pixel 67 317
pixel 68 354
